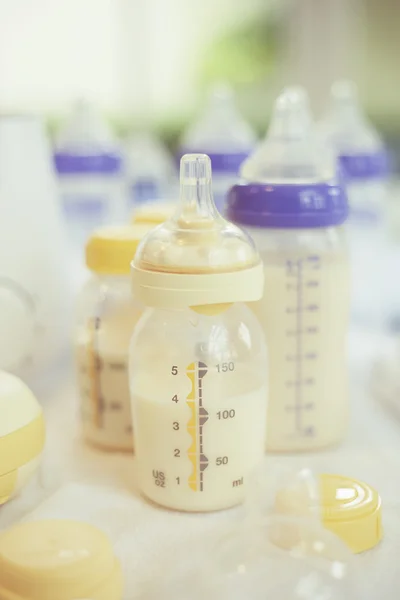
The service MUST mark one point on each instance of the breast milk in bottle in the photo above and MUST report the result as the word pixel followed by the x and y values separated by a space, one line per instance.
pixel 107 315
pixel 364 162
pixel 198 367
pixel 223 134
pixel 293 207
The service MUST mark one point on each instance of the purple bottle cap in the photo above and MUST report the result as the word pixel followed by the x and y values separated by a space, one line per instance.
pixel 288 206
pixel 221 162
pixel 365 166
pixel 87 164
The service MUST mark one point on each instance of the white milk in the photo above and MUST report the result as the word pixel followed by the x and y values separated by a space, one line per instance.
pixel 102 364
pixel 196 453
pixel 304 314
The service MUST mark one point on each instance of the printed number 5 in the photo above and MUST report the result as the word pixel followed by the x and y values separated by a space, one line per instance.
pixel 174 370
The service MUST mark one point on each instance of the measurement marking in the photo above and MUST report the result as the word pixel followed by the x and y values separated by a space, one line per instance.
pixel 298 393
pixel 95 366
pixel 312 330
pixel 117 366
pixel 312 284
pixel 310 356
pixel 199 416
pixel 115 406
pixel 297 382
pixel 312 307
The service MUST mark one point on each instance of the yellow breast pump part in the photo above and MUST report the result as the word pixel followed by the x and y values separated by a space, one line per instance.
pixel 58 560
pixel 22 435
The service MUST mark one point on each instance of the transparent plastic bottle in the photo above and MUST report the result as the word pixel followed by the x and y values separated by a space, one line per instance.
pixel 89 165
pixel 197 358
pixel 364 162
pixel 107 315
pixel 293 208
pixel 223 134
pixel 151 171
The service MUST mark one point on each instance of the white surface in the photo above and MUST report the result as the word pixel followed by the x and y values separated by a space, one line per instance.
pixel 145 535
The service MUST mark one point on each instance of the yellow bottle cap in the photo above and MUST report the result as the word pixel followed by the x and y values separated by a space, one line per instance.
pixel 110 250
pixel 58 560
pixel 154 213
pixel 352 510
pixel 347 507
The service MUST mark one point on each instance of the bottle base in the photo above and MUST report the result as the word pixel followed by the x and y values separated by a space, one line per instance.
pixel 185 509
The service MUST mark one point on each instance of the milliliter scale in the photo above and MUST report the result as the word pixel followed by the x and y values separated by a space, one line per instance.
pixel 200 453
pixel 303 286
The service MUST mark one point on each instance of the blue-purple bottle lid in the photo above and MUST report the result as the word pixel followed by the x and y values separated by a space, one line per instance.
pixel 365 166
pixel 221 162
pixel 288 206
pixel 87 164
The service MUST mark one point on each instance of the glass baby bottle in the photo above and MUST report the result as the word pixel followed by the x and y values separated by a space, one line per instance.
pixel 293 207
pixel 106 318
pixel 197 358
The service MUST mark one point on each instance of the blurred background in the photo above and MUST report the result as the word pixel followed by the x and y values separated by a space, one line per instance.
pixel 123 89
pixel 152 60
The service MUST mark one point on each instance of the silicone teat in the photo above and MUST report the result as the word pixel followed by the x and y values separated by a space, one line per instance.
pixel 197 239
pixel 292 151
pixel 346 123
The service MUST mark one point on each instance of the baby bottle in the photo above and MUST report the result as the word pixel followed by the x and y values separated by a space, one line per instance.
pixel 197 357
pixel 293 208
pixel 364 161
pixel 89 165
pixel 223 134
pixel 151 170
pixel 106 318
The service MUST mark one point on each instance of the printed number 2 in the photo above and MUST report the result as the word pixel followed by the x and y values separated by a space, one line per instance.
pixel 177 452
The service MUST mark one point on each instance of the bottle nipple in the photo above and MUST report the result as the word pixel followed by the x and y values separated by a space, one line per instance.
pixel 197 209
pixel 291 151
pixel 346 125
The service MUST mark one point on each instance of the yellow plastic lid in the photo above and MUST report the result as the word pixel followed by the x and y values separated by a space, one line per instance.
pixel 58 560
pixel 110 250
pixel 352 510
pixel 347 507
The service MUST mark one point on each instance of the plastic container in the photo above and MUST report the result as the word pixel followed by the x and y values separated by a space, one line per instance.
pixel 293 207
pixel 198 357
pixel 22 435
pixel 364 162
pixel 58 560
pixel 89 165
pixel 223 134
pixel 34 283
pixel 151 171
pixel 107 315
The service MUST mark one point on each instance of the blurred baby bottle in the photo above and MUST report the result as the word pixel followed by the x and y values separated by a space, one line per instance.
pixel 35 300
pixel 197 358
pixel 151 171
pixel 364 162
pixel 223 134
pixel 107 314
pixel 89 165
pixel 293 207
